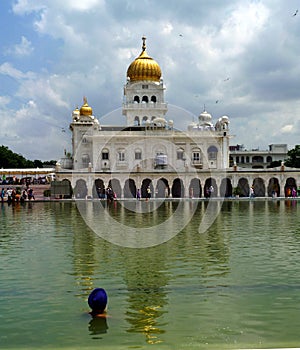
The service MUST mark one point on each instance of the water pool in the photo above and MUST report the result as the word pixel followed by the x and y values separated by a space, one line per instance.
pixel 234 286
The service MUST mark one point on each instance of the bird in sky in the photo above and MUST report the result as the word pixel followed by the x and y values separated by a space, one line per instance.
pixel 295 14
pixel 217 101
pixel 226 79
pixel 180 35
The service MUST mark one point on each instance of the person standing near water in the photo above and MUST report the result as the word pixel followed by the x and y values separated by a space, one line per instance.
pixel 148 195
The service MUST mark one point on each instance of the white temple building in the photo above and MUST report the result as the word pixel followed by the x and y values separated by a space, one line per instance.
pixel 148 151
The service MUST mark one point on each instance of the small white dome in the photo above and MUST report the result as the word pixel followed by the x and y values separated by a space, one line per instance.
pixel 205 118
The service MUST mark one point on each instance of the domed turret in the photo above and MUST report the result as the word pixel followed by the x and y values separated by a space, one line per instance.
pixel 85 108
pixel 76 114
pixel 205 118
pixel 144 67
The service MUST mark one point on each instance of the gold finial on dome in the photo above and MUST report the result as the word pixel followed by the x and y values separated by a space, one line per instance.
pixel 144 43
pixel 144 67
pixel 85 108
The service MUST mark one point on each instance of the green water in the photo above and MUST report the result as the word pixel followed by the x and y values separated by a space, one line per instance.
pixel 235 286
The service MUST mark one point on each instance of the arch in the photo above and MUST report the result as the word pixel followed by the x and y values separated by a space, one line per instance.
pixel 273 187
pixel 136 99
pixel 259 187
pixel 269 159
pixel 68 191
pixel 244 187
pixel 80 189
pixel 257 159
pixel 195 190
pixel 129 189
pixel 289 185
pixel 153 99
pixel 145 99
pixel 105 154
pixel 99 189
pixel 162 188
pixel 177 188
pixel 210 188
pixel 145 184
pixel 180 153
pixel 212 152
pixel 85 160
pixel 196 156
pixel 136 121
pixel 114 184
pixel 144 120
pixel 226 188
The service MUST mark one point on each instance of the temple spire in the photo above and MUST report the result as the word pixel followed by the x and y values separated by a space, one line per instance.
pixel 144 43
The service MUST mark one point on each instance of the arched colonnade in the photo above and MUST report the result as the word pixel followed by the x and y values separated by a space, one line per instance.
pixel 215 185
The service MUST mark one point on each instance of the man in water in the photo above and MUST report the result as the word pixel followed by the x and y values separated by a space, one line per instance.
pixel 98 302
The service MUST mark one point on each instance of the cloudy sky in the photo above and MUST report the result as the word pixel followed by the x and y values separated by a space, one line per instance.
pixel 244 54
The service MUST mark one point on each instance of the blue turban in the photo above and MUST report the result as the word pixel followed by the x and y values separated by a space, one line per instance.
pixel 98 300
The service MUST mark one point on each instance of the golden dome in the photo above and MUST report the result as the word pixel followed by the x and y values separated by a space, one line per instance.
pixel 85 108
pixel 144 67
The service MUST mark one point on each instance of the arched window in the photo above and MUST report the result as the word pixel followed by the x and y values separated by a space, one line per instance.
pixel 153 99
pixel 137 121
pixel 196 156
pixel 212 153
pixel 105 154
pixel 180 154
pixel 257 159
pixel 269 159
pixel 144 120
pixel 138 154
pixel 85 160
pixel 136 99
pixel 121 155
pixel 145 99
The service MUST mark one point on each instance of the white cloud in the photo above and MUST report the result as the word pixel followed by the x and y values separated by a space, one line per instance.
pixel 88 45
pixel 287 128
pixel 22 7
pixel 23 49
pixel 8 69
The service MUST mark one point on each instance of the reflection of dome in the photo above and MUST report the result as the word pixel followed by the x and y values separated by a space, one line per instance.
pixel 204 118
pixel 85 108
pixel 144 67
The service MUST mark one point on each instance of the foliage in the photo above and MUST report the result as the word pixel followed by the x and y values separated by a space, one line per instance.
pixel 293 160
pixel 9 159
pixel 274 164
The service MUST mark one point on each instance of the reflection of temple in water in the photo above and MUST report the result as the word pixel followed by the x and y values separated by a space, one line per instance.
pixel 146 280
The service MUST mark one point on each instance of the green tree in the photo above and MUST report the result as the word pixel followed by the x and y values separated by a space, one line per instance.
pixel 49 163
pixel 9 159
pixel 38 163
pixel 293 160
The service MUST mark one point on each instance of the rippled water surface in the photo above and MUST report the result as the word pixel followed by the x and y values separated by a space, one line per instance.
pixel 236 285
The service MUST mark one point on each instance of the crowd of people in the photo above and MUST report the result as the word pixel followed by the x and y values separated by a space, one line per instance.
pixel 16 195
pixel 14 180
